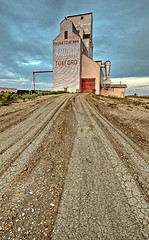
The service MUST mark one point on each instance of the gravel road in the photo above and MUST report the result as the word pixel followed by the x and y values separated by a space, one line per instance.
pixel 67 172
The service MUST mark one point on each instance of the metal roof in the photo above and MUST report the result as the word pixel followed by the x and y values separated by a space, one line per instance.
pixel 118 86
pixel 80 14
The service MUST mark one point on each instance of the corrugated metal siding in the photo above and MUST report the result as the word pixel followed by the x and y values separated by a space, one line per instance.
pixel 66 65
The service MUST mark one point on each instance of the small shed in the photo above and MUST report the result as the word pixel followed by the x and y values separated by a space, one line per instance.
pixel 114 90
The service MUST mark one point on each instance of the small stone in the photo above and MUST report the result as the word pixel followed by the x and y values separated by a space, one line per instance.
pixel 52 204
pixel 19 228
pixel 145 235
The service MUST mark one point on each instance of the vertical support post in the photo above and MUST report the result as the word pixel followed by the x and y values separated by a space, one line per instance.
pixel 34 76
pixel 34 81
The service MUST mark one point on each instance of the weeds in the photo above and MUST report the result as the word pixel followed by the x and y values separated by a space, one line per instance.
pixel 145 97
pixel 8 98
pixel 24 97
pixel 96 96
pixel 127 100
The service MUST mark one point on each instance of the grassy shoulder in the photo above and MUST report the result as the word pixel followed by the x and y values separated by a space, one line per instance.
pixel 130 115
pixel 8 98
pixel 128 100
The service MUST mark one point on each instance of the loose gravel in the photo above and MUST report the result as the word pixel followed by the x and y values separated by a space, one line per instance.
pixel 71 171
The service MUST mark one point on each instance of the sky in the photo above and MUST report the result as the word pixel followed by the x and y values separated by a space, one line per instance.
pixel 120 34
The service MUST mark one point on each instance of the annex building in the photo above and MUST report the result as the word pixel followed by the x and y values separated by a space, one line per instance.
pixel 74 69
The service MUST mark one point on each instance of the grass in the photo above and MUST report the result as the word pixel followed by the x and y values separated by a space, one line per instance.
pixel 127 100
pixel 145 97
pixel 8 98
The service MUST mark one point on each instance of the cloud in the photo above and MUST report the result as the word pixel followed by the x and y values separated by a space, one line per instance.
pixel 132 81
pixel 138 85
pixel 120 34
pixel 17 83
pixel 45 84
pixel 11 74
pixel 15 80
pixel 31 63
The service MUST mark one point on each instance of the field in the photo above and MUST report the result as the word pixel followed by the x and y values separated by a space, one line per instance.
pixel 74 166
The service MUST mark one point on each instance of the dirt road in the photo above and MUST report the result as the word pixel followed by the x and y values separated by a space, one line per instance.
pixel 69 171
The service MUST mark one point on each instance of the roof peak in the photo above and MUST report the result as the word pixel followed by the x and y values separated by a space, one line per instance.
pixel 79 15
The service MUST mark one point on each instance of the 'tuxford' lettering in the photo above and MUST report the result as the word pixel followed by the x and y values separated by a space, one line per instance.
pixel 66 62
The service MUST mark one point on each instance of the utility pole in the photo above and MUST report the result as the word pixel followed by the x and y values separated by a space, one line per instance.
pixel 34 81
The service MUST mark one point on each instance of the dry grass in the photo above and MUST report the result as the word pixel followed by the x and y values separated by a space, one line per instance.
pixel 128 101
pixel 8 98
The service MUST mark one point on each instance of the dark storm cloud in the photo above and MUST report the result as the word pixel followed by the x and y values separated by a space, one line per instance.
pixel 27 29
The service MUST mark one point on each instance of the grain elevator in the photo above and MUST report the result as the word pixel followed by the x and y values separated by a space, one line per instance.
pixel 74 69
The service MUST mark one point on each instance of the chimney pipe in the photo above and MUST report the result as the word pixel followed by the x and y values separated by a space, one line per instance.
pixel 107 81
pixel 107 70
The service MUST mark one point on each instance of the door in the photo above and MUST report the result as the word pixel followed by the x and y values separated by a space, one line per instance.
pixel 88 85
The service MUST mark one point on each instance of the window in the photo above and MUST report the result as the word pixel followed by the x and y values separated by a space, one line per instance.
pixel 66 35
pixel 85 36
pixel 82 18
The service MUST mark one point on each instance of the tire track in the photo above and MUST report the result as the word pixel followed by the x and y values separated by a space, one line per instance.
pixel 10 113
pixel 9 119
pixel 34 104
pixel 132 155
pixel 95 204
pixel 43 176
pixel 135 198
pixel 102 197
pixel 28 146
pixel 21 130
pixel 131 142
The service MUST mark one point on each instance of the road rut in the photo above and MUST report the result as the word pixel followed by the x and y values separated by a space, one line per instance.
pixel 67 172
pixel 103 197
